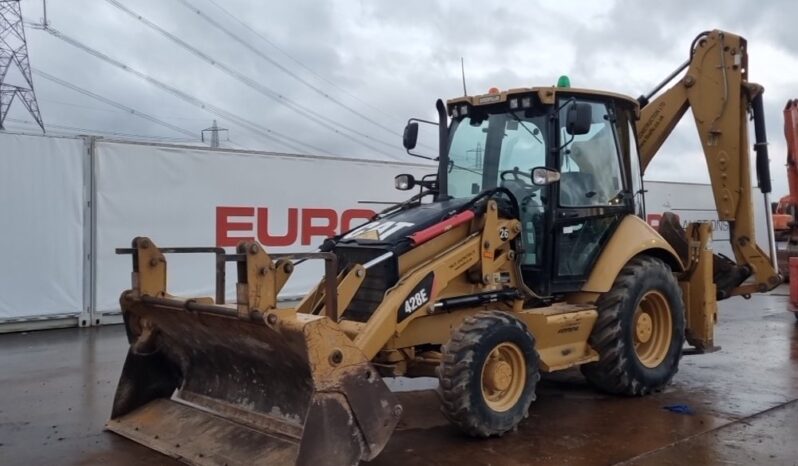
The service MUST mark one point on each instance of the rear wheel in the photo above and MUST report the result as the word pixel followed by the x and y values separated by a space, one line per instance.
pixel 488 374
pixel 639 333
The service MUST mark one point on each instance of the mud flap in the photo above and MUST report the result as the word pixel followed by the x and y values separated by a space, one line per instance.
pixel 212 389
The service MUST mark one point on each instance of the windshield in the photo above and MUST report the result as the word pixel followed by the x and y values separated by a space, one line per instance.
pixel 484 146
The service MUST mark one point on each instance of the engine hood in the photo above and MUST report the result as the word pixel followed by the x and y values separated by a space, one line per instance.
pixel 392 231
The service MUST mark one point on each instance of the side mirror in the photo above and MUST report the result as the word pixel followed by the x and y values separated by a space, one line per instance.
pixel 578 118
pixel 542 176
pixel 404 182
pixel 410 136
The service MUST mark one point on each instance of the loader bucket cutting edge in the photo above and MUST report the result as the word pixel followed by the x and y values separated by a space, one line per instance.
pixel 212 389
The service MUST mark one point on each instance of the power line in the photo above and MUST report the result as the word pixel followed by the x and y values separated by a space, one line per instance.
pixel 304 111
pixel 79 130
pixel 283 68
pixel 296 60
pixel 116 111
pixel 252 84
pixel 85 107
pixel 113 103
pixel 270 134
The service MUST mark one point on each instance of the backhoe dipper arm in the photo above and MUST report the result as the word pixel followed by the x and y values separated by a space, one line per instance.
pixel 717 90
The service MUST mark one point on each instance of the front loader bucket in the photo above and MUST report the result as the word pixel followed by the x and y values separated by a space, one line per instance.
pixel 209 386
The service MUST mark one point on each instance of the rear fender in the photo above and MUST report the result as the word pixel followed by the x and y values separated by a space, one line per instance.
pixel 632 238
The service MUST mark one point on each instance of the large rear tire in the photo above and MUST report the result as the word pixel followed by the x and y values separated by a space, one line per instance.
pixel 488 374
pixel 640 332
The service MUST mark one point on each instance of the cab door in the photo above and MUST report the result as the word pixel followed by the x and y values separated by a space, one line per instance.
pixel 592 196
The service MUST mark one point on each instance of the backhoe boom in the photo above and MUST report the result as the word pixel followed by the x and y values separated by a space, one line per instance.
pixel 716 89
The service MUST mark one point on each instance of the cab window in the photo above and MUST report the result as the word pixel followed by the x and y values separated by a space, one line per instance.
pixel 589 164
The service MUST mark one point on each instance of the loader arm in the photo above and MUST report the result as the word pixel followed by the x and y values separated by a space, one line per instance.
pixel 716 89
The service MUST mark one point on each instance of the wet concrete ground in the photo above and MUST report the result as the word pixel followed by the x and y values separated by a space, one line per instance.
pixel 57 386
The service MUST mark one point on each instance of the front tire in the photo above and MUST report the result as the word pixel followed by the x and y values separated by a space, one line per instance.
pixel 488 374
pixel 640 330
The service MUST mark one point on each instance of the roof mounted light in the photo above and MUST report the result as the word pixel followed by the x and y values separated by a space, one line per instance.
pixel 564 81
pixel 526 102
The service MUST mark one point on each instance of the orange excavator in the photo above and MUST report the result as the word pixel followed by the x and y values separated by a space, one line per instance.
pixel 784 224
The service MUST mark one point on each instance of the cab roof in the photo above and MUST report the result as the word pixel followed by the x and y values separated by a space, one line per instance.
pixel 547 95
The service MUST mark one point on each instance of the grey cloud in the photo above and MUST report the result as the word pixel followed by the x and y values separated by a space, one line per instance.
pixel 397 56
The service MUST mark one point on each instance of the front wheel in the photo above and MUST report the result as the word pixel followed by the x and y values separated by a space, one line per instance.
pixel 639 332
pixel 488 374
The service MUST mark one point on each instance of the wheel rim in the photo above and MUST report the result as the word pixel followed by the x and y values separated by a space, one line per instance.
pixel 652 329
pixel 503 377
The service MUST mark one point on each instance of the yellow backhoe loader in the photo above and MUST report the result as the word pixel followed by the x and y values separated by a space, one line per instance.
pixel 526 253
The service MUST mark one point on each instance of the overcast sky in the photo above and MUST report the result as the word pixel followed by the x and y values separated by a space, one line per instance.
pixel 367 66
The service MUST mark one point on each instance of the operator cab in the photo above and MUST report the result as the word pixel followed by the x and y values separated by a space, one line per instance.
pixel 569 157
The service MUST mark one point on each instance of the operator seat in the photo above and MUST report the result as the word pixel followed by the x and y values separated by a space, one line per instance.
pixel 597 157
pixel 578 189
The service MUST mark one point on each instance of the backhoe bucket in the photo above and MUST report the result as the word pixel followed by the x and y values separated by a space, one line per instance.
pixel 210 386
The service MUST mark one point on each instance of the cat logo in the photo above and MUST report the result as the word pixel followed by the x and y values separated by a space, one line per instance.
pixel 377 231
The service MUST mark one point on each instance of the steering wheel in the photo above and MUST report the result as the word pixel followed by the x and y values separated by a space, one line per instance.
pixel 524 190
pixel 517 176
